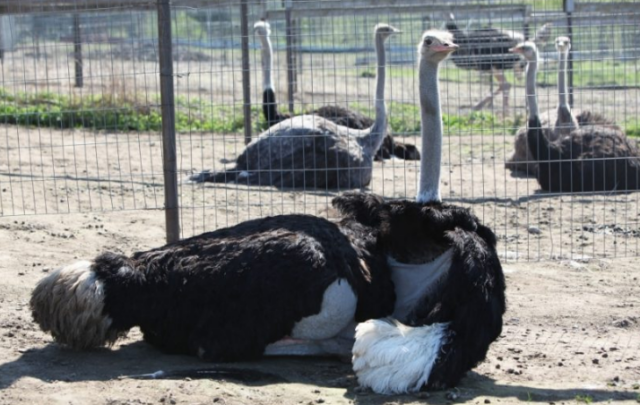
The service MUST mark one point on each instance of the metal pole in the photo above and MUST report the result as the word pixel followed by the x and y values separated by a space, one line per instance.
pixel 246 77
pixel 569 7
pixel 290 62
pixel 170 168
pixel 77 49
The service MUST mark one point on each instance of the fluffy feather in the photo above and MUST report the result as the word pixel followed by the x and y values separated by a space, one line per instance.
pixel 393 358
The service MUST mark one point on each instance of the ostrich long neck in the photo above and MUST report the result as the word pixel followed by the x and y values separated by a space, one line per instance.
pixel 532 102
pixel 431 117
pixel 372 140
pixel 266 62
pixel 562 80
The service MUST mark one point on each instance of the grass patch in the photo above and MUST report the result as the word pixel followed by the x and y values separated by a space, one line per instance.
pixel 121 111
pixel 116 112
pixel 404 118
pixel 587 399
pixel 632 128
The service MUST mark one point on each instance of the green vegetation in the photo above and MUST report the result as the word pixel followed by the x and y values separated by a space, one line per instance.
pixel 587 399
pixel 120 111
pixel 114 112
pixel 632 128
pixel 586 74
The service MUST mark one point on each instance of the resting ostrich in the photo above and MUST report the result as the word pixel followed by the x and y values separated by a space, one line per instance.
pixel 590 158
pixel 566 119
pixel 299 284
pixel 487 49
pixel 309 151
pixel 339 115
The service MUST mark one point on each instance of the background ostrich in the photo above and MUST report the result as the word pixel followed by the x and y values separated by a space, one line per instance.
pixel 487 49
pixel 591 158
pixel 456 252
pixel 565 118
pixel 340 115
pixel 298 284
pixel 309 151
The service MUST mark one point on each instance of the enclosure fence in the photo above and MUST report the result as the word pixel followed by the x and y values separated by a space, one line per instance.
pixel 113 105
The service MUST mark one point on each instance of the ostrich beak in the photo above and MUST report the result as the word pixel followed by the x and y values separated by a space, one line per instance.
pixel 516 49
pixel 445 48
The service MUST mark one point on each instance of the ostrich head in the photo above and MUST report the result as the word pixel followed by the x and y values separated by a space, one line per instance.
pixel 262 28
pixel 527 49
pixel 563 44
pixel 436 45
pixel 384 31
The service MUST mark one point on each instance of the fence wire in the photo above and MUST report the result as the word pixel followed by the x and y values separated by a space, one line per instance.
pixel 80 118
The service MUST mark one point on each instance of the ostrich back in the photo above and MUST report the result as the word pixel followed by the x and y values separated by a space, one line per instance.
pixel 588 118
pixel 594 158
pixel 521 160
pixel 485 48
pixel 306 151
pixel 344 116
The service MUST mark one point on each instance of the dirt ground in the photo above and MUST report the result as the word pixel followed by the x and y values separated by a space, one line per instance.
pixel 571 332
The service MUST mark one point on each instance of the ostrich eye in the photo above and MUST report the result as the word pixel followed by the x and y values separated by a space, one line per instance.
pixel 428 41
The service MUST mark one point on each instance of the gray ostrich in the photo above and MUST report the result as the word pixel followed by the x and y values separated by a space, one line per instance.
pixel 340 115
pixel 591 158
pixel 564 118
pixel 309 151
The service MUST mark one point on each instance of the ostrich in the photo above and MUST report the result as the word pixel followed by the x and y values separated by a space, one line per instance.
pixel 299 284
pixel 590 158
pixel 309 151
pixel 339 115
pixel 487 49
pixel 456 251
pixel 566 119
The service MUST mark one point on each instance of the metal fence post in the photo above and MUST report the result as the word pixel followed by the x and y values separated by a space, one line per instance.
pixel 77 49
pixel 569 7
pixel 291 66
pixel 246 77
pixel 170 167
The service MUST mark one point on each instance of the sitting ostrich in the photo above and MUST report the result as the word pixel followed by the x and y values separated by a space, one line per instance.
pixel 340 115
pixel 309 151
pixel 589 158
pixel 299 284
pixel 487 49
pixel 565 119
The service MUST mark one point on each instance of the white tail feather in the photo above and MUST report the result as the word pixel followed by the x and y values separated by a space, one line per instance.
pixel 392 358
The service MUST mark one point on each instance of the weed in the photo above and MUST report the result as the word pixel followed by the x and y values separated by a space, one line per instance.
pixel 587 399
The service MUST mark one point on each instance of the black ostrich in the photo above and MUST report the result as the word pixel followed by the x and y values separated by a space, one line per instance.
pixel 590 158
pixel 339 115
pixel 487 49
pixel 298 284
pixel 559 122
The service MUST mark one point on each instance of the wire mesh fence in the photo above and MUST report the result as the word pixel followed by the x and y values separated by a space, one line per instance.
pixel 80 110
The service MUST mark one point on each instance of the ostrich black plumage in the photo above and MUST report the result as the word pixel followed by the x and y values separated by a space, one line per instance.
pixel 487 49
pixel 339 115
pixel 298 284
pixel 590 158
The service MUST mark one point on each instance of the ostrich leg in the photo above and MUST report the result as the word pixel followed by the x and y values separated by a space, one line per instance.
pixel 504 87
pixel 488 100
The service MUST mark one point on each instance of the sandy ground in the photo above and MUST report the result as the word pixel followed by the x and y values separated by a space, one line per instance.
pixel 571 331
